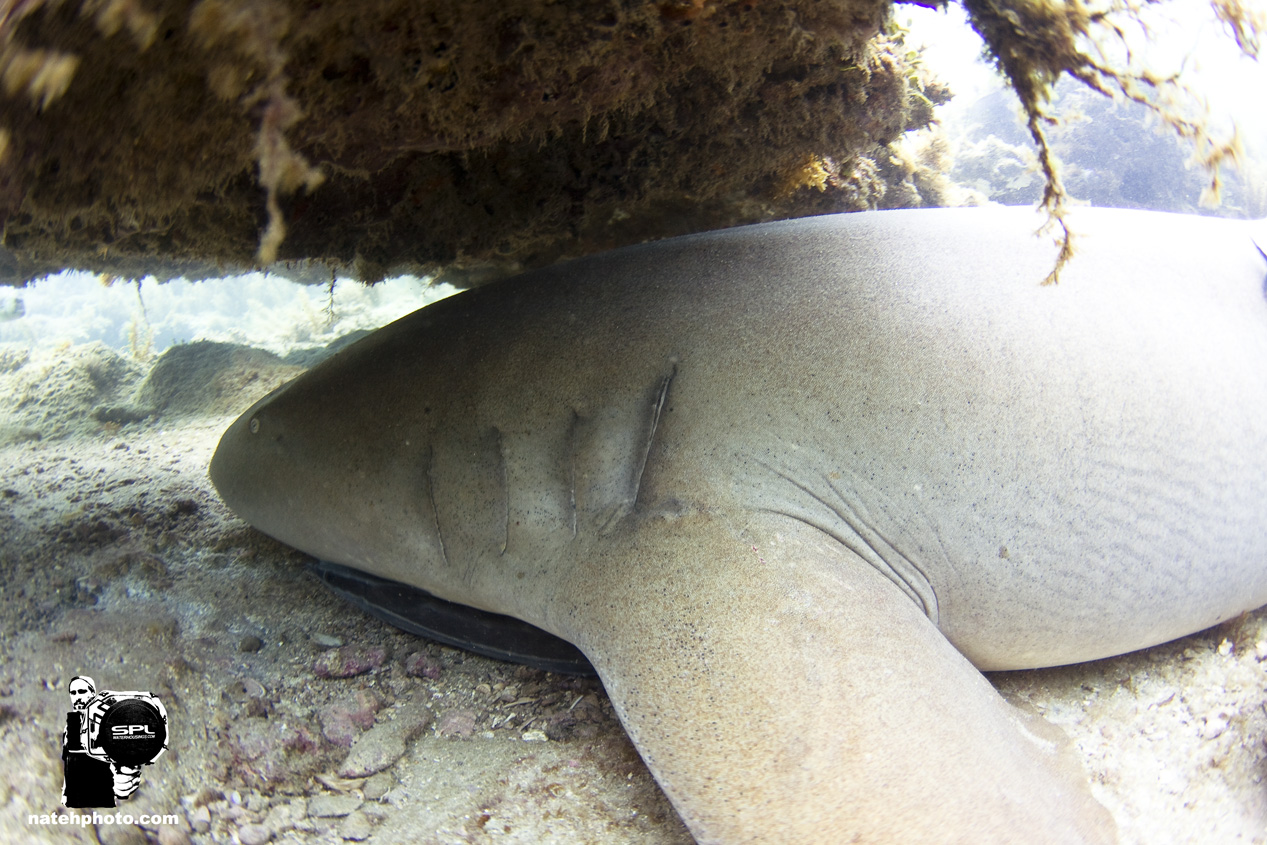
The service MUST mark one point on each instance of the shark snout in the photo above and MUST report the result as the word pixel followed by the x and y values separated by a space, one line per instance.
pixel 235 469
pixel 249 466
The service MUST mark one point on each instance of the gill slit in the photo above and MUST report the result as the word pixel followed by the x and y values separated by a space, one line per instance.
pixel 431 498
pixel 505 490
pixel 662 395
pixel 571 447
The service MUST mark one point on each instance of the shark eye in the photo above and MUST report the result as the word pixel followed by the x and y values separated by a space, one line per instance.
pixel 254 425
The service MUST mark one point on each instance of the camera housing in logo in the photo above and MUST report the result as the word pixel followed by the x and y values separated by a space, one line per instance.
pixel 130 727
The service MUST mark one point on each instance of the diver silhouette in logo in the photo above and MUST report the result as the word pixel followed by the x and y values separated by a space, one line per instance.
pixel 109 736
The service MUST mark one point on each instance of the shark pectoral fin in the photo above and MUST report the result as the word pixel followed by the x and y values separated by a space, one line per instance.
pixel 781 690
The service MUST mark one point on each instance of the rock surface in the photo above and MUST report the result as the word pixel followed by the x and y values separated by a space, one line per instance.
pixel 177 137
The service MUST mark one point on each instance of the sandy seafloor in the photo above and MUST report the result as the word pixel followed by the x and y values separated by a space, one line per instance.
pixel 118 561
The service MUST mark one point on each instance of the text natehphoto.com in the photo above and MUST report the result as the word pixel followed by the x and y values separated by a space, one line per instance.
pixel 85 819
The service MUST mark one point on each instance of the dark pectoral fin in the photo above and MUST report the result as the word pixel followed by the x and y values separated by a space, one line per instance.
pixel 419 612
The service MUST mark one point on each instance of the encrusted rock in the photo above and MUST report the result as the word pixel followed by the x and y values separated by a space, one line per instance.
pixel 349 661
pixel 385 743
